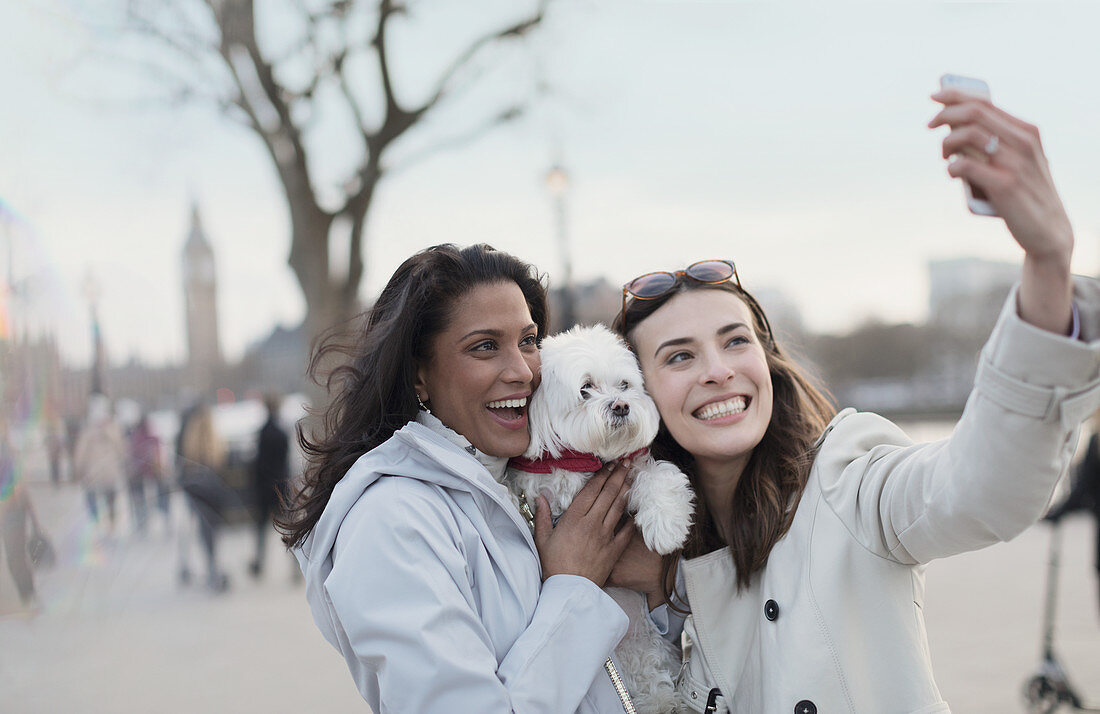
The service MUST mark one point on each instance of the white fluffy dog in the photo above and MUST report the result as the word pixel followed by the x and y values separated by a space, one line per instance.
pixel 591 408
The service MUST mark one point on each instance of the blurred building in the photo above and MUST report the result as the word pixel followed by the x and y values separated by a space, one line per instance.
pixel 966 294
pixel 34 372
pixel 594 301
pixel 276 362
pixel 921 368
pixel 200 288
pixel 30 377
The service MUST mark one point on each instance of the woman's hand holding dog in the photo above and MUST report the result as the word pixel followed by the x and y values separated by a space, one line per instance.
pixel 639 569
pixel 589 537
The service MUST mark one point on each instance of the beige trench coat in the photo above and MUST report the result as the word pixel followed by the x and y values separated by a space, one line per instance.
pixel 834 622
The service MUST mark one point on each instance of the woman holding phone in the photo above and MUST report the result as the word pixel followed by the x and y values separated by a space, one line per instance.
pixel 803 574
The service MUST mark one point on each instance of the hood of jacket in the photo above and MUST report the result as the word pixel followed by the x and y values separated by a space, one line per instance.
pixel 425 450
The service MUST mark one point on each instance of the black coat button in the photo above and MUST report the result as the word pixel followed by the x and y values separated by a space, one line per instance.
pixel 805 707
pixel 771 610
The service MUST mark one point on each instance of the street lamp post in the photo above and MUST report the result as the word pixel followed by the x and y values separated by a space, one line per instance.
pixel 557 181
pixel 91 291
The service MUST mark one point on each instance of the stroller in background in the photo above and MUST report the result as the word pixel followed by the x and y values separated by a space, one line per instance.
pixel 214 467
pixel 203 460
pixel 209 500
pixel 1050 688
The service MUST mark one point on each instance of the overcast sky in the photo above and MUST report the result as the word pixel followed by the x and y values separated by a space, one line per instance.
pixel 787 136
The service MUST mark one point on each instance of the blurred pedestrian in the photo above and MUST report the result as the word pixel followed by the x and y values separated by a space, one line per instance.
pixel 201 458
pixel 100 458
pixel 146 470
pixel 16 513
pixel 71 425
pixel 270 474
pixel 1084 494
pixel 55 445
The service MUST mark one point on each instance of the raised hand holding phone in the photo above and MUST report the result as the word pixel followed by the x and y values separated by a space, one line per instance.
pixel 976 199
pixel 1015 178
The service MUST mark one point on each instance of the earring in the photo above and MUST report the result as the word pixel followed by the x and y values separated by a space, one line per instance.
pixel 419 401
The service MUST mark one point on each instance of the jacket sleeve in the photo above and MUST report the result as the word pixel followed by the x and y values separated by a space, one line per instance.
pixel 669 621
pixel 996 474
pixel 1080 493
pixel 401 590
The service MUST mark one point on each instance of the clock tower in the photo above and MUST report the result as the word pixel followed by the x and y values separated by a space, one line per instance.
pixel 200 289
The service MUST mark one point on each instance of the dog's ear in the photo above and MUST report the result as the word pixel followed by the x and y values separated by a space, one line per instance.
pixel 543 408
pixel 540 421
pixel 536 425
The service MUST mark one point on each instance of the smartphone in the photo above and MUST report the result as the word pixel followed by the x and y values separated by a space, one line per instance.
pixel 976 200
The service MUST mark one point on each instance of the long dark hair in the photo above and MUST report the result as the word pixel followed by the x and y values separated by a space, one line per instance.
pixel 372 388
pixel 767 494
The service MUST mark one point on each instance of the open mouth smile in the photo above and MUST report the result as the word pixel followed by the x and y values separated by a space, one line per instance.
pixel 508 409
pixel 717 410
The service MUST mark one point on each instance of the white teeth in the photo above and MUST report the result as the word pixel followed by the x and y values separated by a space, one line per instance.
pixel 503 403
pixel 721 409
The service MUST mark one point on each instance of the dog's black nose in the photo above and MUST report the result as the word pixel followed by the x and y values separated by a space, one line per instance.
pixel 620 409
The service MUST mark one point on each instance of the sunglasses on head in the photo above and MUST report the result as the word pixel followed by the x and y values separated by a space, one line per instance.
pixel 708 272
pixel 654 285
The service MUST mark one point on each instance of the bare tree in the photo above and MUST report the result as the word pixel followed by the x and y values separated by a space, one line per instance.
pixel 215 51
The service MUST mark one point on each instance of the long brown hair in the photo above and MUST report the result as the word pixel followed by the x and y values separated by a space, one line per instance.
pixel 373 394
pixel 771 485
pixel 200 442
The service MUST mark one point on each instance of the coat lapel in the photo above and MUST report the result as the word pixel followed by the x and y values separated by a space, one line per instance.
pixel 726 632
pixel 472 473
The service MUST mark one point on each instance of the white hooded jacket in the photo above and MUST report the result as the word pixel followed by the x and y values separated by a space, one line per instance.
pixel 424 576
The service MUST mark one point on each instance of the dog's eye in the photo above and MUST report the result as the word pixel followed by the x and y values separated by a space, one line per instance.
pixel 624 385
pixel 585 390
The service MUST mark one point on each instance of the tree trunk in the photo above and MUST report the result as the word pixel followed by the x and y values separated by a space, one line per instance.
pixel 331 300
pixel 271 96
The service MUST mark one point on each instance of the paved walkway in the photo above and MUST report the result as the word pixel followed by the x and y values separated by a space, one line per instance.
pixel 118 634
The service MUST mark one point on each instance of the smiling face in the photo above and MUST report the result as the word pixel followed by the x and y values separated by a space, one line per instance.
pixel 482 369
pixel 705 368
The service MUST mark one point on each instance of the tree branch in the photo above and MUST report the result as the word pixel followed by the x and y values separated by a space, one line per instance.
pixel 176 38
pixel 345 88
pixel 172 86
pixel 308 41
pixel 239 31
pixel 190 47
pixel 358 212
pixel 232 110
pixel 517 30
pixel 387 9
pixel 502 117
pixel 210 50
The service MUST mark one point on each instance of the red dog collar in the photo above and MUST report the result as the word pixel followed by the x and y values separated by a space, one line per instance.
pixel 575 461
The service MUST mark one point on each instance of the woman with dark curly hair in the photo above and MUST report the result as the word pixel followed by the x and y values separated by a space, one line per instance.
pixel 418 567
